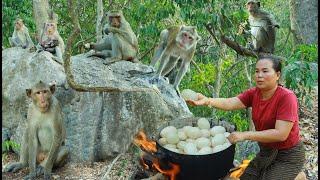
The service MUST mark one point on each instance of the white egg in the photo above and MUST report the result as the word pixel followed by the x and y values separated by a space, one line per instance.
pixel 163 141
pixel 190 140
pixel 190 148
pixel 172 146
pixel 193 132
pixel 188 94
pixel 186 128
pixel 218 139
pixel 226 145
pixel 168 130
pixel 226 134
pixel 173 150
pixel 172 138
pixel 203 123
pixel 218 148
pixel 182 136
pixel 205 150
pixel 205 133
pixel 217 130
pixel 181 144
pixel 202 142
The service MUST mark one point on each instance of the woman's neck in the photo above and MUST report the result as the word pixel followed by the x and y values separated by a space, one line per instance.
pixel 268 93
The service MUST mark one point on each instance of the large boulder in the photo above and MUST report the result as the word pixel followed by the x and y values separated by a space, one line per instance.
pixel 98 124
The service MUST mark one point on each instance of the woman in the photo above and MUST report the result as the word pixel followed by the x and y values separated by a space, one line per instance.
pixel 275 116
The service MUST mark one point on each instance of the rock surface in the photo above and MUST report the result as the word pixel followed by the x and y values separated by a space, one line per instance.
pixel 98 124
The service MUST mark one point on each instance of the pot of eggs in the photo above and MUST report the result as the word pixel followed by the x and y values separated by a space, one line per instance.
pixel 199 146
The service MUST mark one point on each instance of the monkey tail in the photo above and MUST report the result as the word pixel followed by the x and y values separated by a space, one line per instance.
pixel 99 55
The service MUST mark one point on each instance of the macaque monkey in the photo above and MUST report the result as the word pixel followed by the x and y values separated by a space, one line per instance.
pixel 176 42
pixel 120 42
pixel 43 142
pixel 20 36
pixel 51 40
pixel 262 26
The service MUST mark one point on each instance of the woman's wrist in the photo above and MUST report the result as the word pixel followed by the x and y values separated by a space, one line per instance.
pixel 247 135
pixel 208 102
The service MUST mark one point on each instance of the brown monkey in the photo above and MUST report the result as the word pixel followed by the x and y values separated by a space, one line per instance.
pixel 263 26
pixel 120 42
pixel 176 42
pixel 43 141
pixel 51 40
pixel 20 36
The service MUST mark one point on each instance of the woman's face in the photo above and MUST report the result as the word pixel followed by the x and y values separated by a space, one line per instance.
pixel 266 78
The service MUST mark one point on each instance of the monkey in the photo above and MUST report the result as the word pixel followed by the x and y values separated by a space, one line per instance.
pixel 50 40
pixel 119 43
pixel 20 36
pixel 176 42
pixel 263 26
pixel 43 141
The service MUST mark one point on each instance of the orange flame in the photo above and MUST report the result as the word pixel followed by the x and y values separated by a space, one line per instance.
pixel 171 173
pixel 142 162
pixel 142 141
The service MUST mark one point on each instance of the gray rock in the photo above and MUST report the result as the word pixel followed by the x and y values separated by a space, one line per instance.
pixel 98 124
pixel 5 134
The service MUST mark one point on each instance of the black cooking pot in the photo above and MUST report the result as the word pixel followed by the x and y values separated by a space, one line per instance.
pixel 199 167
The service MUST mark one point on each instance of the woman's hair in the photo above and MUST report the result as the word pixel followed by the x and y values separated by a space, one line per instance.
pixel 276 63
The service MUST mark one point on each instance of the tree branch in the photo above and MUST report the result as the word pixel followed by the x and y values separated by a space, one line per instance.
pixel 238 48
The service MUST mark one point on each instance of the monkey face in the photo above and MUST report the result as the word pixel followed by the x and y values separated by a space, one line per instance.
pixel 41 95
pixel 42 99
pixel 115 21
pixel 19 25
pixel 50 28
pixel 252 6
pixel 187 37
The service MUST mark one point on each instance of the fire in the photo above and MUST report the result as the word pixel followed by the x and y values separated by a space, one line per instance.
pixel 141 140
pixel 149 146
pixel 171 173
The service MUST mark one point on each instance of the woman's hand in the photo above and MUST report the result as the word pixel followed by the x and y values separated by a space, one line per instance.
pixel 202 100
pixel 236 137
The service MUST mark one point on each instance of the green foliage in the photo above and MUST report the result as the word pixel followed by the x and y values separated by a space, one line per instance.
pixel 301 71
pixel 251 156
pixel 11 10
pixel 197 82
pixel 10 145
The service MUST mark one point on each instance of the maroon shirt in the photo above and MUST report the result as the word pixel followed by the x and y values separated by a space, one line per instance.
pixel 283 105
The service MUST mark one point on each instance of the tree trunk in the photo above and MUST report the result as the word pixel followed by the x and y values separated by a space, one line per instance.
pixel 99 20
pixel 304 21
pixel 41 14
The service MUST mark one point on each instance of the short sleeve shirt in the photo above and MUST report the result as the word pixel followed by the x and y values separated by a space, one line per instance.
pixel 283 105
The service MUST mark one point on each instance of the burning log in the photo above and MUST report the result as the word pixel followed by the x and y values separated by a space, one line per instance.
pixel 152 159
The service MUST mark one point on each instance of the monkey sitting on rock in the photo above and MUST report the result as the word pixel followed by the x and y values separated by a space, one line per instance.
pixel 120 42
pixel 43 142
pixel 20 36
pixel 176 42
pixel 51 40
